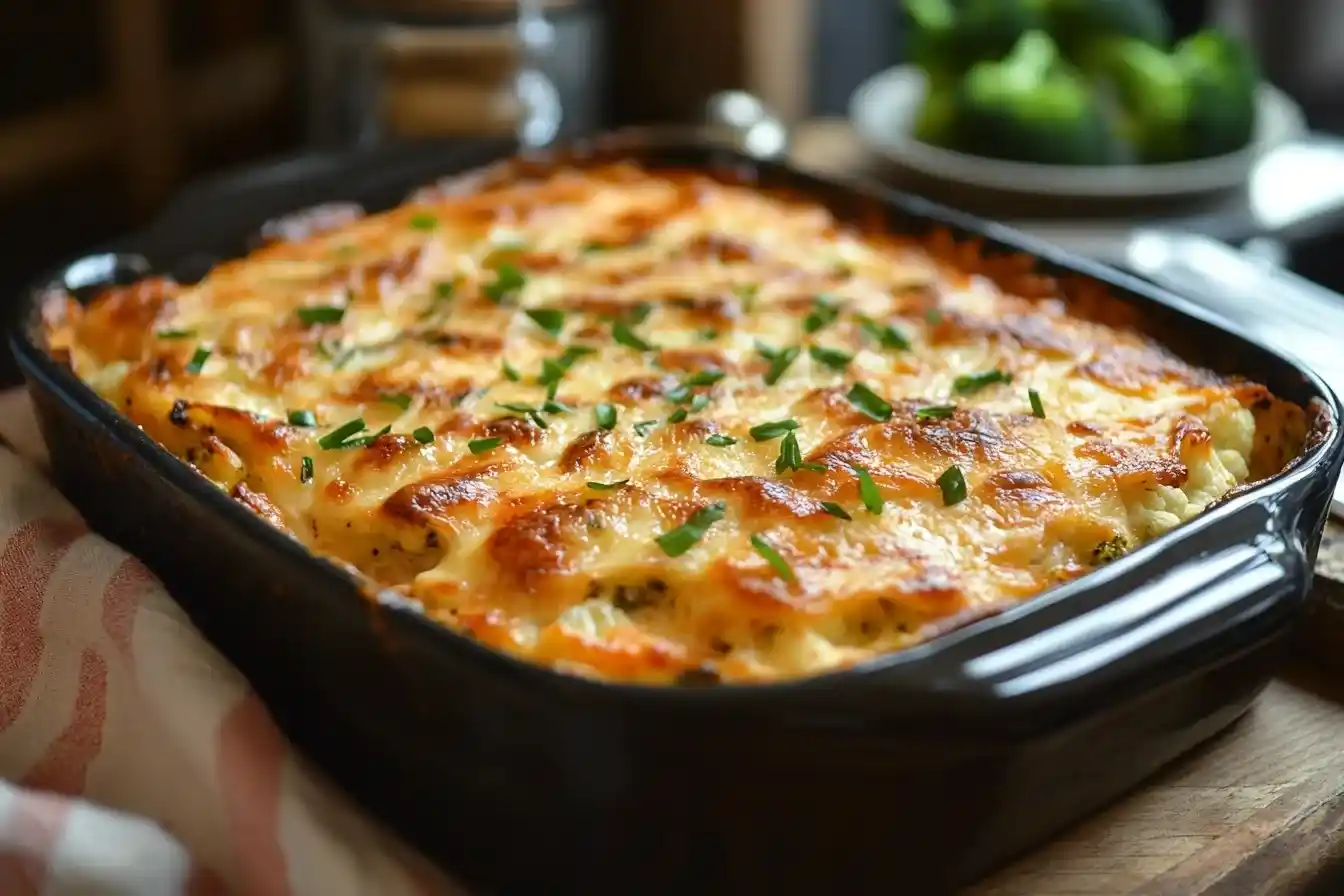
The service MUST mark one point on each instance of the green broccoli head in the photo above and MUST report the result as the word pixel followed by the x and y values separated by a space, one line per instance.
pixel 1078 23
pixel 1152 93
pixel 1221 75
pixel 947 37
pixel 1034 107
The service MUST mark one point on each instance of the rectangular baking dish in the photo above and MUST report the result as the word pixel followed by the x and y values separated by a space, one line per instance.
pixel 922 770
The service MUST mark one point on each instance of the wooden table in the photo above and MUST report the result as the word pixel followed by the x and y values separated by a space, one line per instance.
pixel 1258 810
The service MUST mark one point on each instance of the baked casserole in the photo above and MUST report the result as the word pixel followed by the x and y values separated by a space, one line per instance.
pixel 648 425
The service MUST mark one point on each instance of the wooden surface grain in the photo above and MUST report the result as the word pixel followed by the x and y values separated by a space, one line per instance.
pixel 1257 810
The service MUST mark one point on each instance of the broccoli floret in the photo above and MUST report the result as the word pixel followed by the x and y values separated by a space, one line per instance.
pixel 1032 107
pixel 947 37
pixel 1078 23
pixel 1197 101
pixel 1153 95
pixel 1222 75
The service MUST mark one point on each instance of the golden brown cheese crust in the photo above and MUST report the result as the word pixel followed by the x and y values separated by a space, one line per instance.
pixel 690 311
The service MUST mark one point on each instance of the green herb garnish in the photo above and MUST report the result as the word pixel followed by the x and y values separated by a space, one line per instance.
pixel 302 418
pixel 953 484
pixel 606 416
pixel 720 441
pixel 424 435
pixel 198 359
pixel 791 456
pixel 508 279
pixel 678 415
pixel 424 222
pixel 823 314
pixel 935 412
pixel 681 539
pixel 526 410
pixel 607 486
pixel 480 446
pixel 551 406
pixel 549 319
pixel 780 360
pixel 830 357
pixel 708 335
pixel 835 510
pixel 868 491
pixel 746 294
pixel 444 289
pixel 1037 408
pixel 321 314
pixel 869 402
pixel 886 335
pixel 643 427
pixel 971 383
pixel 638 314
pixel 764 432
pixel 176 334
pixel 766 550
pixel 621 332
pixel 933 317
pixel 397 399
pixel 306 470
pixel 366 440
pixel 703 378
pixel 510 372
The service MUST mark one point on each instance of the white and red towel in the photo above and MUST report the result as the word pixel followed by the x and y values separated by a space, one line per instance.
pixel 134 759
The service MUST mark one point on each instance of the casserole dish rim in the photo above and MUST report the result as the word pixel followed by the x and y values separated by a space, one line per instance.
pixel 1324 444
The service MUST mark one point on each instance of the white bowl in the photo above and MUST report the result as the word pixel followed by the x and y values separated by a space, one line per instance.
pixel 884 108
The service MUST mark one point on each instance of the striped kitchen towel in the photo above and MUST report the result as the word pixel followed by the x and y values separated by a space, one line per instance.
pixel 134 758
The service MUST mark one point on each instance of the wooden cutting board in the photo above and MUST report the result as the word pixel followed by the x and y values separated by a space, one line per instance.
pixel 1258 810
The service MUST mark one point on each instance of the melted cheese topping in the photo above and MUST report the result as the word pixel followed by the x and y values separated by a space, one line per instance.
pixel 675 300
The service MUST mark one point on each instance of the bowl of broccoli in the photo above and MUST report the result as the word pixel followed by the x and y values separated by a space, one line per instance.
pixel 1086 98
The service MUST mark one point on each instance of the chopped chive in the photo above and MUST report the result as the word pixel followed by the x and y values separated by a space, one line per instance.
pixel 424 221
pixel 823 314
pixel 607 486
pixel 362 441
pixel 953 484
pixel 549 319
pixel 302 418
pixel 720 441
pixel 526 410
pixel 766 550
pixel 1036 407
pixel 678 415
pixel 835 510
pixel 643 428
pixel 638 314
pixel 176 334
pixel 606 416
pixel 869 402
pixel 704 378
pixel 480 446
pixel 699 403
pixel 764 432
pixel 886 335
pixel 681 539
pixel 424 435
pixel 321 314
pixel 830 357
pixel 621 332
pixel 397 399
pixel 444 289
pixel 780 360
pixel 933 317
pixel 551 406
pixel 306 470
pixel 508 279
pixel 510 372
pixel 198 359
pixel 790 454
pixel 971 383
pixel 708 335
pixel 868 491
pixel 935 412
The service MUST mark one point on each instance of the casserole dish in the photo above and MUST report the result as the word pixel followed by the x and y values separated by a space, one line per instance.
pixel 929 766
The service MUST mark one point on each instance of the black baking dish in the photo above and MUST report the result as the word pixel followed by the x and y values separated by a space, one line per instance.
pixel 916 773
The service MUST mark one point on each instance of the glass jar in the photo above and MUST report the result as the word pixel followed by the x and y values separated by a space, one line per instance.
pixel 387 69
